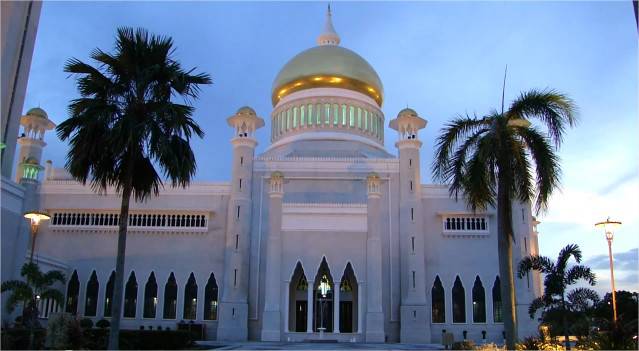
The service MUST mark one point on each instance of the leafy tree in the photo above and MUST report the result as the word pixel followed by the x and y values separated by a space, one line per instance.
pixel 126 123
pixel 491 161
pixel 36 285
pixel 557 301
pixel 620 335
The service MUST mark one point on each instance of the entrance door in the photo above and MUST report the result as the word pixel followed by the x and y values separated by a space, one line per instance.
pixel 323 315
pixel 346 316
pixel 300 316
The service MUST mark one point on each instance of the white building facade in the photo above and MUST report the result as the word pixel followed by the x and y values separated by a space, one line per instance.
pixel 325 232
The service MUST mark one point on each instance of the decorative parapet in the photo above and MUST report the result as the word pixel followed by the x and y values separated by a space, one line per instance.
pixel 147 221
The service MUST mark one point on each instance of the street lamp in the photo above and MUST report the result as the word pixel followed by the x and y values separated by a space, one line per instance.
pixel 35 217
pixel 608 227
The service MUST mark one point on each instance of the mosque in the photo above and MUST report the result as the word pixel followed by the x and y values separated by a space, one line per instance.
pixel 324 235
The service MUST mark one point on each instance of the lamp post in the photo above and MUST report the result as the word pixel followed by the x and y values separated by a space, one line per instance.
pixel 35 217
pixel 608 227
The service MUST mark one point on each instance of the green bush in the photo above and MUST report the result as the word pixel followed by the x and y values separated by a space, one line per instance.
pixel 18 339
pixel 103 323
pixel 96 339
pixel 464 345
pixel 63 332
pixel 86 323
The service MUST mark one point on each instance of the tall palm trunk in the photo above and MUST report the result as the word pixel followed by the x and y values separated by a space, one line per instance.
pixel 118 291
pixel 564 321
pixel 505 253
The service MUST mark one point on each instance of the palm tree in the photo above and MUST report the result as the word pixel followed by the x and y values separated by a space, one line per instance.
pixel 490 161
pixel 126 122
pixel 36 285
pixel 558 277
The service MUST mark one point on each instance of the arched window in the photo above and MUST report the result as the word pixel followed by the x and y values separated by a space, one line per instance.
pixel 327 114
pixel 73 290
pixel 150 297
pixel 303 115
pixel 351 116
pixel 91 300
pixel 344 115
pixel 302 285
pixel 295 116
pixel 459 302
pixel 438 302
pixel 210 299
pixel 130 296
pixel 108 295
pixel 479 302
pixel 190 298
pixel 497 307
pixel 170 298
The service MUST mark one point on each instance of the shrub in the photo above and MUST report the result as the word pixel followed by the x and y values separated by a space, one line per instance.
pixel 139 339
pixel 103 323
pixel 532 343
pixel 464 345
pixel 18 338
pixel 86 323
pixel 63 332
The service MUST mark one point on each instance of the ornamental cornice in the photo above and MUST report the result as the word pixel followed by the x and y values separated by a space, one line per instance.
pixel 74 187
pixel 408 144
pixel 326 165
pixel 323 205
pixel 244 141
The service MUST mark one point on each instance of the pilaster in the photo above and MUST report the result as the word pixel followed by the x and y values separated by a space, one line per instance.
pixel 271 321
pixel 374 313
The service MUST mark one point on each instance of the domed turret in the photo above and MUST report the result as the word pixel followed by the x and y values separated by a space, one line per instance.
pixel 36 111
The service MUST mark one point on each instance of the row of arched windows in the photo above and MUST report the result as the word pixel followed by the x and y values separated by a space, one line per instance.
pixel 135 220
pixel 151 297
pixel 458 298
pixel 328 115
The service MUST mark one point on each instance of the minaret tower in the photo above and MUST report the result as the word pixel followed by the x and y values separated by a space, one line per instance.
pixel 35 123
pixel 233 324
pixel 414 315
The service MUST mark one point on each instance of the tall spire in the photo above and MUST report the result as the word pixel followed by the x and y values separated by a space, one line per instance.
pixel 328 36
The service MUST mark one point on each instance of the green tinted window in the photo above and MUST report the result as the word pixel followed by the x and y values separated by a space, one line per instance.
pixel 310 114
pixel 359 118
pixel 318 114
pixel 288 119
pixel 327 111
pixel 302 115
pixel 344 114
pixel 295 116
pixel 335 114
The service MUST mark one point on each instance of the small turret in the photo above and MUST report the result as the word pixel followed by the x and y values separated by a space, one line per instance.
pixel 245 121
pixel 35 123
pixel 407 124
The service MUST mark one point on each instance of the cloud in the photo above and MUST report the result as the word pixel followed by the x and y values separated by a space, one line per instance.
pixel 624 261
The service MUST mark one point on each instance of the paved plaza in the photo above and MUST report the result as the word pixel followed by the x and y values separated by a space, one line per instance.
pixel 216 345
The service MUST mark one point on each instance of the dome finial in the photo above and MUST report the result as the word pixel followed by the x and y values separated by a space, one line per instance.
pixel 328 36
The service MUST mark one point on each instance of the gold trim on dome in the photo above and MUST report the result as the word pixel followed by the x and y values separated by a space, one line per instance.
pixel 326 81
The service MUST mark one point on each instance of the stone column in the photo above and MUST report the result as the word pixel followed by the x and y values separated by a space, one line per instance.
pixel 336 308
pixel 271 326
pixel 374 313
pixel 309 307
pixel 286 304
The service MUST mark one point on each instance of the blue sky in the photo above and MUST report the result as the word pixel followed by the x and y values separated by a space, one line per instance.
pixel 440 58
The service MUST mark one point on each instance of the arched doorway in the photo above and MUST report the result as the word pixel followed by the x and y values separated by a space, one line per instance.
pixel 323 291
pixel 348 301
pixel 298 301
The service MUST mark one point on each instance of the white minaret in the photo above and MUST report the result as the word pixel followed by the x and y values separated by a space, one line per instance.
pixel 414 315
pixel 233 319
pixel 35 123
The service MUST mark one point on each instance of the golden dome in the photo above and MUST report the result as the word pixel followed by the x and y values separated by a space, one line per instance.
pixel 328 66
